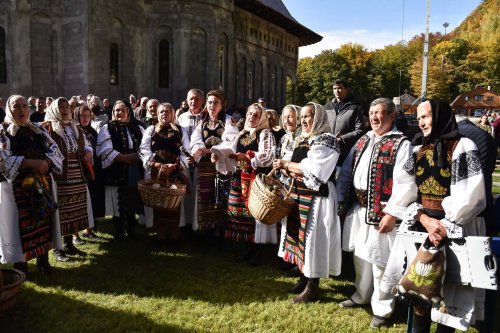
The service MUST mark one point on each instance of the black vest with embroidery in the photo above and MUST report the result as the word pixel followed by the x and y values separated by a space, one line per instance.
pixel 166 145
pixel 249 142
pixel 212 137
pixel 117 173
pixel 380 175
pixel 432 181
pixel 28 144
pixel 299 153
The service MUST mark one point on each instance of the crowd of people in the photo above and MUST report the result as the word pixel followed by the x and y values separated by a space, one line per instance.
pixel 354 180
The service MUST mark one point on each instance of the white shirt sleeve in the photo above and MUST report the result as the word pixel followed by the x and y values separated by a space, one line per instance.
pixel 265 155
pixel 104 147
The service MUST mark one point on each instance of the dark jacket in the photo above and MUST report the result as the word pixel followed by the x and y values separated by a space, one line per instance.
pixel 487 152
pixel 347 118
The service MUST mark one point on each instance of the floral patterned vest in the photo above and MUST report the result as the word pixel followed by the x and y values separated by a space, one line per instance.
pixel 380 176
pixel 433 182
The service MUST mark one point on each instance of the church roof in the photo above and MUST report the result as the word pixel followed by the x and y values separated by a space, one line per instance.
pixel 276 12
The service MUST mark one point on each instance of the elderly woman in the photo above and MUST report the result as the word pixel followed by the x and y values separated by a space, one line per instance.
pixel 160 152
pixel 484 124
pixel 312 239
pixel 93 174
pixel 211 202
pixel 253 149
pixel 284 150
pixel 274 126
pixel 75 207
pixel 450 196
pixel 118 147
pixel 27 157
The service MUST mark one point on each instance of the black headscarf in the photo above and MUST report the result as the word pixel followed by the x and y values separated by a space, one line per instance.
pixel 444 127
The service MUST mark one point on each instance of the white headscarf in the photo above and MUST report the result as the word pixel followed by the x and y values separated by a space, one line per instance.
pixel 263 121
pixel 320 122
pixel 53 115
pixel 290 136
pixel 9 119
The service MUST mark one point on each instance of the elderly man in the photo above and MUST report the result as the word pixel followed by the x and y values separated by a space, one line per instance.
pixel 188 122
pixel 373 165
pixel 151 117
pixel 345 117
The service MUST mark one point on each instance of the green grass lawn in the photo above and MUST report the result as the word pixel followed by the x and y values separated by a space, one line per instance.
pixel 197 286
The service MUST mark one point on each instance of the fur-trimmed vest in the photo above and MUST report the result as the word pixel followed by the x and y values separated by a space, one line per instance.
pixel 380 178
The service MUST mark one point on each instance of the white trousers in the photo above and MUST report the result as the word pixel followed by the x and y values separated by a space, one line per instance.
pixel 367 283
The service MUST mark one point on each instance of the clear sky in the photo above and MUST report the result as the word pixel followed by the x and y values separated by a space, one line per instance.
pixel 373 23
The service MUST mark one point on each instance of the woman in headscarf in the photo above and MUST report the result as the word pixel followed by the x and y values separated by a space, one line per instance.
pixel 211 200
pixel 254 148
pixel 118 147
pixel 312 239
pixel 275 127
pixel 27 153
pixel 160 152
pixel 291 125
pixel 450 196
pixel 93 173
pixel 75 207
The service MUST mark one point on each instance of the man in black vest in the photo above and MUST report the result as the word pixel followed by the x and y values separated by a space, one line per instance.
pixel 365 186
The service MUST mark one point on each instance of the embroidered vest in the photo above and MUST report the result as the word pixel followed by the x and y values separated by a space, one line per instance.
pixel 212 136
pixel 299 153
pixel 64 150
pixel 165 144
pixel 117 173
pixel 28 144
pixel 247 142
pixel 382 160
pixel 433 182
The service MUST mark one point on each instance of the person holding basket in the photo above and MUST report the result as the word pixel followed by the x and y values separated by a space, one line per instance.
pixel 253 149
pixel 160 152
pixel 312 240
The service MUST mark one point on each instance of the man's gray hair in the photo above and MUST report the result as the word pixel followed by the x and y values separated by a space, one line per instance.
pixel 388 104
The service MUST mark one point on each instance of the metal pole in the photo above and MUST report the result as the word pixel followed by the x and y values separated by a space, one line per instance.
pixel 426 50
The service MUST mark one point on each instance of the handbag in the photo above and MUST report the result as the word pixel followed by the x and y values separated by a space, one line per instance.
pixel 42 203
pixel 422 282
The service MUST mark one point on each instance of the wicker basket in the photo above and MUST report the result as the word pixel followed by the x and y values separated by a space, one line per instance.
pixel 10 283
pixel 269 201
pixel 161 197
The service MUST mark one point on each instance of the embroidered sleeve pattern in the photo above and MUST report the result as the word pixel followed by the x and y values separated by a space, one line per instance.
pixel 310 180
pixel 54 154
pixel 105 147
pixel 467 165
pixel 409 165
pixel 412 212
pixel 265 155
pixel 327 140
pixel 145 152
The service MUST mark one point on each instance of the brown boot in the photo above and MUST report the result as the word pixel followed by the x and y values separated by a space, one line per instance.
pixel 299 286
pixel 310 294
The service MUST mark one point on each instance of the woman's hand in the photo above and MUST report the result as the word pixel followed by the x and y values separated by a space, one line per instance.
pixel 214 158
pixel 242 157
pixel 206 151
pixel 277 164
pixel 434 227
pixel 40 166
pixel 387 224
pixel 87 157
pixel 168 168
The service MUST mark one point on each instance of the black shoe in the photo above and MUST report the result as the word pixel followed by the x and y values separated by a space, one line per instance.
pixel 43 265
pixel 60 256
pixel 72 250
pixel 256 258
pixel 78 241
pixel 299 286
pixel 247 254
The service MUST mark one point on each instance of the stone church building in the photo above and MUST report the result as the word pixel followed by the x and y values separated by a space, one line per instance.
pixel 154 48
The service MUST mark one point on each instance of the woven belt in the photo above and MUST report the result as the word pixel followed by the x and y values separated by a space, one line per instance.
pixel 73 155
pixel 361 197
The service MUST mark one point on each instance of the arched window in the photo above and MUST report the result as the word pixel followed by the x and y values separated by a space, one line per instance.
pixel 3 62
pixel 163 64
pixel 113 64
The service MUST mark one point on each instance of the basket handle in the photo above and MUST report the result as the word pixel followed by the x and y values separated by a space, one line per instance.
pixel 291 184
pixel 158 176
